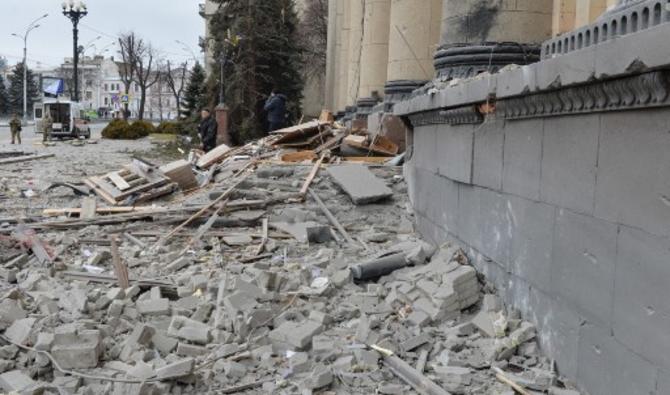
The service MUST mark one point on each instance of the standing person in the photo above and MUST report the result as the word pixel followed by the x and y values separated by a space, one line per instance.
pixel 207 130
pixel 15 127
pixel 275 106
pixel 48 127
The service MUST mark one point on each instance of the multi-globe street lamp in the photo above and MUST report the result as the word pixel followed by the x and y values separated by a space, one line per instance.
pixel 33 25
pixel 75 11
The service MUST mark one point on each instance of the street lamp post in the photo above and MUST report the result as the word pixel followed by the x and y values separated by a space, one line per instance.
pixel 33 25
pixel 75 11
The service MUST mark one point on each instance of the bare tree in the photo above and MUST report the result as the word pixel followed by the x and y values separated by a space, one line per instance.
pixel 147 73
pixel 128 44
pixel 175 77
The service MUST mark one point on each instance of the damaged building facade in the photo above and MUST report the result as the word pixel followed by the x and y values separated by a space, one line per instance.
pixel 552 173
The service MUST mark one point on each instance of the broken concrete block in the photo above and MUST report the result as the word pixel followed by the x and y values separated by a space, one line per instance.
pixel 484 322
pixel 454 379
pixel 188 329
pixel 164 344
pixel 74 349
pixel 320 317
pixel 298 335
pixel 189 350
pixel 340 278
pixel 238 240
pixel 492 303
pixel 10 311
pixel 177 369
pixel 141 370
pixel 524 333
pixel 73 300
pixel 44 341
pixel 19 331
pixel 418 318
pixel 153 307
pixel 391 389
pixel 359 183
pixel 320 377
pixel 15 381
pixel 367 360
pixel 115 309
pixel 415 342
pixel 234 369
pixel 240 301
pixel 140 336
pixel 299 362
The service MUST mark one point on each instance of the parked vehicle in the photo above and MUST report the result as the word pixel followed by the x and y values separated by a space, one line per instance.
pixel 68 117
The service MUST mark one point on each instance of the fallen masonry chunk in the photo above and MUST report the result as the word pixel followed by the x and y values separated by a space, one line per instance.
pixel 19 332
pixel 140 336
pixel 321 376
pixel 181 368
pixel 299 362
pixel 455 379
pixel 484 322
pixel 391 389
pixel 297 335
pixel 188 329
pixel 189 350
pixel 15 381
pixel 10 311
pixel 153 307
pixel 561 391
pixel 75 349
pixel 44 341
pixel 319 234
pixel 234 369
pixel 359 183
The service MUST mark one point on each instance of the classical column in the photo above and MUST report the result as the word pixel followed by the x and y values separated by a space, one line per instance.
pixel 355 8
pixel 589 10
pixel 476 21
pixel 564 16
pixel 374 56
pixel 331 57
pixel 413 38
pixel 342 52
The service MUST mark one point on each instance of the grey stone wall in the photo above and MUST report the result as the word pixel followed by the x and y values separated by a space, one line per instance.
pixel 570 217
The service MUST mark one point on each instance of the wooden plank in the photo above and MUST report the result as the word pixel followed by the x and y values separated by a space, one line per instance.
pixel 366 159
pixel 26 158
pixel 155 193
pixel 264 238
pixel 297 129
pixel 88 208
pixel 120 269
pixel 101 278
pixel 100 192
pixel 109 189
pixel 214 156
pixel 143 188
pixel 53 212
pixel 299 156
pixel 118 181
pixel 310 177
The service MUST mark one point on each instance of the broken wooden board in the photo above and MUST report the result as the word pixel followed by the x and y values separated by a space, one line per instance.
pixel 214 156
pixel 26 158
pixel 359 183
pixel 181 172
pixel 301 128
pixel 55 212
pixel 144 184
pixel 88 208
pixel 118 181
pixel 366 159
pixel 297 157
pixel 380 145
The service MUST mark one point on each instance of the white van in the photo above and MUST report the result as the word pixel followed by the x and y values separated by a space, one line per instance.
pixel 67 116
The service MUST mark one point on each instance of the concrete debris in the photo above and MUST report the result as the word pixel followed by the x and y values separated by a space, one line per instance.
pixel 276 295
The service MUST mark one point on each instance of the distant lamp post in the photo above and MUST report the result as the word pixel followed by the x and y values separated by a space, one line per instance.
pixel 75 11
pixel 33 25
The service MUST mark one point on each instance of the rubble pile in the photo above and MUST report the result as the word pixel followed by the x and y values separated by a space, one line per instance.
pixel 274 277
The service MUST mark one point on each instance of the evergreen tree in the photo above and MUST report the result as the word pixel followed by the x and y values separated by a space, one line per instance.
pixel 194 95
pixel 4 98
pixel 16 89
pixel 266 56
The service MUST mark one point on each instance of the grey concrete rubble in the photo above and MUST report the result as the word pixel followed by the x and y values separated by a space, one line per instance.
pixel 282 308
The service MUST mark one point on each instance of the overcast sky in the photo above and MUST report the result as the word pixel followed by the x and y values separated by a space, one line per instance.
pixel 159 21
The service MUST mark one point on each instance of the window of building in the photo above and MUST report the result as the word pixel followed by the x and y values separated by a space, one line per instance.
pixel 106 90
pixel 106 101
pixel 89 95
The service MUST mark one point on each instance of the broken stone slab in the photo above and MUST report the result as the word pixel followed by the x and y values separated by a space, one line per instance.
pixel 153 307
pixel 298 230
pixel 10 311
pixel 190 330
pixel 562 391
pixel 298 335
pixel 77 349
pixel 177 369
pixel 190 350
pixel 15 381
pixel 141 370
pixel 359 183
pixel 455 379
pixel 19 331
pixel 164 344
pixel 320 377
pixel 44 341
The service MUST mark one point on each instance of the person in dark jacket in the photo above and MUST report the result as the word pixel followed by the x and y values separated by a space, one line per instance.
pixel 207 130
pixel 275 106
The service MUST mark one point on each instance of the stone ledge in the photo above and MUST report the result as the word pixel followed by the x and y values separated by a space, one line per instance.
pixel 623 56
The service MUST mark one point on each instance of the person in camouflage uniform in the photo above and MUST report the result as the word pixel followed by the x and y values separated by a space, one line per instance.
pixel 48 127
pixel 15 127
